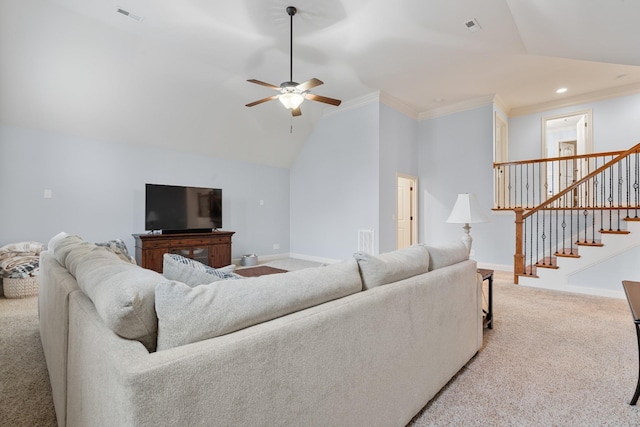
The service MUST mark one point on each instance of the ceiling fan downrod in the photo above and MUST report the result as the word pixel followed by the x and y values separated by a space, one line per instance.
pixel 291 10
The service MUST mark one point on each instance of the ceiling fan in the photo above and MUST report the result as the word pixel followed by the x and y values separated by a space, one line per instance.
pixel 292 94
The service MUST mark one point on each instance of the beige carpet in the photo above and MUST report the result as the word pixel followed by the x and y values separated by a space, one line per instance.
pixel 25 393
pixel 552 359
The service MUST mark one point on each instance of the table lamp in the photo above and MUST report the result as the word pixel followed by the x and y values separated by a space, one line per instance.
pixel 467 211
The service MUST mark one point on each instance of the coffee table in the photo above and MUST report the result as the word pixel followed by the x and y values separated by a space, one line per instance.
pixel 261 270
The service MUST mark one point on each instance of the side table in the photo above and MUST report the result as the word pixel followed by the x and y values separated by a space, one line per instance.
pixel 632 291
pixel 488 313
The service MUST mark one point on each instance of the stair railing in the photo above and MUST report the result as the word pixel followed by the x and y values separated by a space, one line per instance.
pixel 528 183
pixel 593 204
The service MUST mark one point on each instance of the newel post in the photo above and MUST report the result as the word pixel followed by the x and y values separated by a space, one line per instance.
pixel 518 258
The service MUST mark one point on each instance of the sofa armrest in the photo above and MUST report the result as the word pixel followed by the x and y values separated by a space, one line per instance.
pixel 55 287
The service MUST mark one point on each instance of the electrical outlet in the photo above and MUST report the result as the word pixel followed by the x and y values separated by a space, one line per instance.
pixel 472 252
pixel 276 246
pixel 48 194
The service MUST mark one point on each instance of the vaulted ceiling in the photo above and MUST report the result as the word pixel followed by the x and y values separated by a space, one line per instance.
pixel 176 78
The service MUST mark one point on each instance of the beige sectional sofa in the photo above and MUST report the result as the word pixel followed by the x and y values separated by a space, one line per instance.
pixel 365 342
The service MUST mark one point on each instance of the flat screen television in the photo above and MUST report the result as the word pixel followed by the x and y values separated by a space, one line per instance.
pixel 179 209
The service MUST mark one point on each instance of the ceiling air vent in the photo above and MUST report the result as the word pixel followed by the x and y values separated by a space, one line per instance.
pixel 129 14
pixel 472 25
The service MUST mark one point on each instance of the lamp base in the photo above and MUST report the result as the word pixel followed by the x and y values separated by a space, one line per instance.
pixel 466 237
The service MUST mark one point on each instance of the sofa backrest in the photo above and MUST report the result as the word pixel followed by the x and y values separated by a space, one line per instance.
pixel 225 306
pixel 389 267
pixel 123 293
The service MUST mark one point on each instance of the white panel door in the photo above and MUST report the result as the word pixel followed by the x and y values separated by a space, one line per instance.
pixel 403 214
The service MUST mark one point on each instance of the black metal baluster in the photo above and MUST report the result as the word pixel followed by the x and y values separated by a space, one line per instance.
pixel 564 231
pixel 636 184
pixel 620 185
pixel 544 237
pixel 610 198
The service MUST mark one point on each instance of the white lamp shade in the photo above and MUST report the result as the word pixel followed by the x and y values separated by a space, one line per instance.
pixel 291 100
pixel 466 210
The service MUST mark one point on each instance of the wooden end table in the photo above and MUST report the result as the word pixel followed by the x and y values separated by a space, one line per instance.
pixel 632 291
pixel 488 313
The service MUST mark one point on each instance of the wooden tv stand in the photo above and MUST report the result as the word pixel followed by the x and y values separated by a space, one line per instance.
pixel 211 248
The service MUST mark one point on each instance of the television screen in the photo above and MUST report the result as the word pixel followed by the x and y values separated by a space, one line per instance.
pixel 173 208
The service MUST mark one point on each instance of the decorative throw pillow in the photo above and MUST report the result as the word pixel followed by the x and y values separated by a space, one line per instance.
pixel 447 254
pixel 223 307
pixel 118 247
pixel 392 266
pixel 194 273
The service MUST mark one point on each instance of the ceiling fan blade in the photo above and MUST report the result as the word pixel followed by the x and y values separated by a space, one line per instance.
pixel 324 99
pixel 296 112
pixel 311 83
pixel 260 101
pixel 258 82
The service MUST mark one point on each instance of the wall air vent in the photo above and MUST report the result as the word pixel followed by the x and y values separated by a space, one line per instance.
pixel 129 14
pixel 365 241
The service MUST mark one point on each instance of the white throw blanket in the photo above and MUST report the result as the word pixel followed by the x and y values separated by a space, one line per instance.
pixel 19 260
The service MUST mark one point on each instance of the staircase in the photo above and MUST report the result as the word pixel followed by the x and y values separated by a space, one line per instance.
pixel 572 213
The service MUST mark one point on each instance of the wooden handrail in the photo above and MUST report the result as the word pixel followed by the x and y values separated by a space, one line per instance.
pixel 634 149
pixel 563 158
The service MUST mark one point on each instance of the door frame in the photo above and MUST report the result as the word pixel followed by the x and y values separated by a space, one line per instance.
pixel 586 149
pixel 414 207
pixel 500 155
pixel 588 144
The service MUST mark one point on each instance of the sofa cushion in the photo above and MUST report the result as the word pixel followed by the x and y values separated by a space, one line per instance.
pixel 194 273
pixel 123 293
pixel 447 254
pixel 392 266
pixel 229 305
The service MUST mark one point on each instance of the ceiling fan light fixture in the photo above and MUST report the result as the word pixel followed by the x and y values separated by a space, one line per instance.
pixel 293 94
pixel 291 100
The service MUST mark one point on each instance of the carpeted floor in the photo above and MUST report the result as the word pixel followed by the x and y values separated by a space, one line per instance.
pixel 552 359
pixel 25 393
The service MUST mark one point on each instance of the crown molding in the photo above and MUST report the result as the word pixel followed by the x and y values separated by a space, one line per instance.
pixel 396 104
pixel 468 104
pixel 374 97
pixel 501 104
pixel 577 100
pixel 352 104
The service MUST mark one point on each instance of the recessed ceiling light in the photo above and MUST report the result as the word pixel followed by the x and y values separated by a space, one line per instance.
pixel 561 90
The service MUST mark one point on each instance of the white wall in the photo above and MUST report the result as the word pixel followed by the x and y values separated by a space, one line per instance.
pixel 98 190
pixel 334 184
pixel 615 127
pixel 455 156
pixel 398 154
